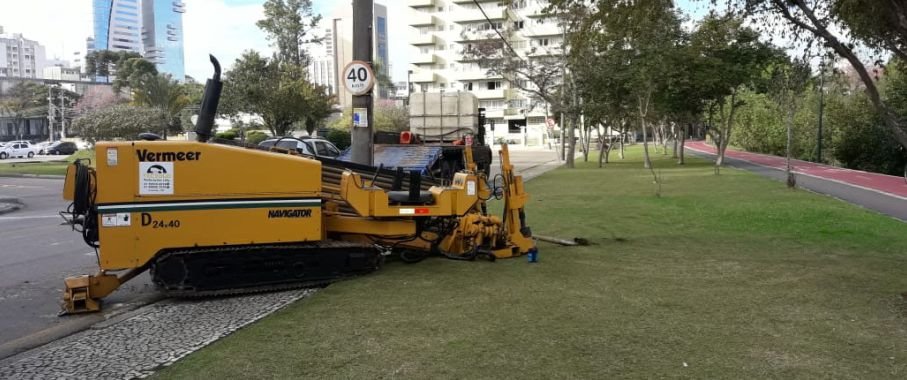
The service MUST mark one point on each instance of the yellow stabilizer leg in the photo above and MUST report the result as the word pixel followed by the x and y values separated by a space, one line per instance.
pixel 83 293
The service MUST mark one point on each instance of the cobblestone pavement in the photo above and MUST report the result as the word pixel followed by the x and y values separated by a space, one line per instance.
pixel 154 336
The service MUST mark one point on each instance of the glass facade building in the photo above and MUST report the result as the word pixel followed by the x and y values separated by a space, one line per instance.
pixel 163 35
pixel 118 25
pixel 153 28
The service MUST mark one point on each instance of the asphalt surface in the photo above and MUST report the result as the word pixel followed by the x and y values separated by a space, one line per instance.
pixel 880 200
pixel 36 252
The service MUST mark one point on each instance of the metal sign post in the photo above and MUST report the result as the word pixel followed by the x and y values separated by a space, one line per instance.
pixel 359 80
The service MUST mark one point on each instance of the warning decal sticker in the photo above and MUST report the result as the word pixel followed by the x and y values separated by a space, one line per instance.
pixel 155 178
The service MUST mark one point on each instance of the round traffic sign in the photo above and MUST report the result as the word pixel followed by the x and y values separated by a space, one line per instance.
pixel 358 77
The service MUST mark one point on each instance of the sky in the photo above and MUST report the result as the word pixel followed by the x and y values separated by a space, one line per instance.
pixel 224 28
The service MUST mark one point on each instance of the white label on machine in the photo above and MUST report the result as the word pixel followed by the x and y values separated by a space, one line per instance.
pixel 155 178
pixel 112 158
pixel 108 220
pixel 470 188
pixel 407 211
pixel 124 219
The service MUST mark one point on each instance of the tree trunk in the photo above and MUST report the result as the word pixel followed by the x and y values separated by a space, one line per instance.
pixel 683 138
pixel 601 152
pixel 571 147
pixel 622 137
pixel 791 181
pixel 563 126
pixel 647 163
pixel 674 133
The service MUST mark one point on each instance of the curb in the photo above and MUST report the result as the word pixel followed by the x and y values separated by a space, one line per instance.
pixel 45 176
pixel 10 350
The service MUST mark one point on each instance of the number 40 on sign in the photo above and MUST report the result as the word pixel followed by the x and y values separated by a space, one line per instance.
pixel 358 77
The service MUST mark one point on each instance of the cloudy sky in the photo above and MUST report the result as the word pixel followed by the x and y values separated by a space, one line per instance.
pixel 223 27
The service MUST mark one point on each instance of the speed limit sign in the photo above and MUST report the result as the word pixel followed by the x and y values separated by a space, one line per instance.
pixel 358 77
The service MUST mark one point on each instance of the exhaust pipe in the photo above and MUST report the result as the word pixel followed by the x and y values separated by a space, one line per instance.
pixel 208 110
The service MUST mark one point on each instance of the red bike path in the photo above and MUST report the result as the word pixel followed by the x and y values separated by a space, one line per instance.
pixel 893 186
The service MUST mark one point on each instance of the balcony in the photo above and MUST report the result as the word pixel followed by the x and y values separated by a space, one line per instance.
pixel 423 39
pixel 427 58
pixel 472 15
pixel 546 29
pixel 477 74
pixel 426 76
pixel 476 35
pixel 423 19
pixel 491 94
pixel 545 51
pixel 420 3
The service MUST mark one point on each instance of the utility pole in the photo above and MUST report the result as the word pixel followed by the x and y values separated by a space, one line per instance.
pixel 62 115
pixel 821 109
pixel 362 136
pixel 50 113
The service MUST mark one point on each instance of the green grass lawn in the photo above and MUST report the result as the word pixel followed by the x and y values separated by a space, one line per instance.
pixel 729 276
pixel 57 167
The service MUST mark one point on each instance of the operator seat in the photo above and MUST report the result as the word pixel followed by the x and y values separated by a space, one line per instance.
pixel 415 195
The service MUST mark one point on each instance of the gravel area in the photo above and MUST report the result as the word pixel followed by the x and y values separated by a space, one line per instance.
pixel 149 338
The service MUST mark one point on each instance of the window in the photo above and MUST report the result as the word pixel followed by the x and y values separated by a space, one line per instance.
pixel 443 85
pixel 494 85
pixel 468 86
pixel 518 25
pixel 424 50
pixel 451 26
pixel 440 9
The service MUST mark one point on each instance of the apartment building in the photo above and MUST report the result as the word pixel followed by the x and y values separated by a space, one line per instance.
pixel 336 50
pixel 444 29
pixel 20 57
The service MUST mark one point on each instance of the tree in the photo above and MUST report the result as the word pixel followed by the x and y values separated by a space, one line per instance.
pixel 629 44
pixel 288 24
pixel 118 122
pixel 164 94
pixel 132 72
pixel 258 85
pixel 788 81
pixel 734 59
pixel 840 26
pixel 25 99
pixel 101 63
pixel 541 73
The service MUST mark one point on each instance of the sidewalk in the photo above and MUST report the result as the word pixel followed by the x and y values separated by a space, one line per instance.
pixel 886 184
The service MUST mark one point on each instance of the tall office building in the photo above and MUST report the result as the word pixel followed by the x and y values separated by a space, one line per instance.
pixel 162 33
pixel 21 57
pixel 153 28
pixel 118 25
pixel 336 51
pixel 443 29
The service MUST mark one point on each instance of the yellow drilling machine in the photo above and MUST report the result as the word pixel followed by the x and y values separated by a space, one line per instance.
pixel 211 219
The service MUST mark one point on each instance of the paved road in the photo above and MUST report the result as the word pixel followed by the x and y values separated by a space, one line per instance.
pixel 36 253
pixel 883 193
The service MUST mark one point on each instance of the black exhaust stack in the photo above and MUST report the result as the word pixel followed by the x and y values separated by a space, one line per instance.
pixel 208 111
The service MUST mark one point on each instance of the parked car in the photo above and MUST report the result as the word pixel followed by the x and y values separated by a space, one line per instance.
pixel 307 145
pixel 42 146
pixel 17 149
pixel 62 147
